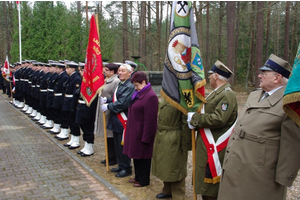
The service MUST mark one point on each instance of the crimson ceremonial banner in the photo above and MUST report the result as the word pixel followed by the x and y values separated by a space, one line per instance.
pixel 6 73
pixel 93 77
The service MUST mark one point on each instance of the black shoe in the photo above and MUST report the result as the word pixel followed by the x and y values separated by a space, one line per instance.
pixel 111 163
pixel 67 145
pixel 124 173
pixel 62 138
pixel 103 161
pixel 163 196
pixel 79 152
pixel 72 147
pixel 85 155
pixel 117 169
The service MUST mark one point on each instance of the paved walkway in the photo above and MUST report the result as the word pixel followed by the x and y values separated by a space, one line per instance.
pixel 33 165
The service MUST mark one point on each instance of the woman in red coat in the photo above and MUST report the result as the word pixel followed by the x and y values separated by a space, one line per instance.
pixel 141 128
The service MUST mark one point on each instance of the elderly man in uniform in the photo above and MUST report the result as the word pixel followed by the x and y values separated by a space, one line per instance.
pixel 262 156
pixel 118 107
pixel 216 122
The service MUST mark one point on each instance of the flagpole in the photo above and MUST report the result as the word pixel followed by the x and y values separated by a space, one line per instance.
pixel 103 113
pixel 194 161
pixel 20 48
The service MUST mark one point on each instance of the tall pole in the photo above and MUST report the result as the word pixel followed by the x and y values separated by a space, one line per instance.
pixel 20 47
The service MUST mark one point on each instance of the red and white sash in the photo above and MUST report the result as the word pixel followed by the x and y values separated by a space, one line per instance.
pixel 121 116
pixel 212 149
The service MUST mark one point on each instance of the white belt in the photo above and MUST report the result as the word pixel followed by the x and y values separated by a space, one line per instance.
pixel 25 79
pixel 29 82
pixel 57 94
pixel 69 95
pixel 16 79
pixel 43 90
pixel 33 86
pixel 50 90
pixel 22 79
pixel 37 85
pixel 81 101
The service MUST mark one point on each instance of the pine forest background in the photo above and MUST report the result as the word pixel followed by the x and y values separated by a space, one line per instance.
pixel 241 34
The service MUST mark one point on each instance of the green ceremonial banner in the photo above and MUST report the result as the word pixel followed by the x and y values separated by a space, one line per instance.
pixel 291 98
pixel 183 76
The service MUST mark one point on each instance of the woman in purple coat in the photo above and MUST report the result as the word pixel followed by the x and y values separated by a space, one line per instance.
pixel 141 128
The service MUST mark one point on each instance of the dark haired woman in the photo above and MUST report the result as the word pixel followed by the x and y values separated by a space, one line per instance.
pixel 141 128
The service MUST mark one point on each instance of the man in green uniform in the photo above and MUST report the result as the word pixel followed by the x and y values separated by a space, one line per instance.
pixel 170 151
pixel 215 124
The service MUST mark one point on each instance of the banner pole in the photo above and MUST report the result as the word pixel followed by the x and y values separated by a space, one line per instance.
pixel 194 162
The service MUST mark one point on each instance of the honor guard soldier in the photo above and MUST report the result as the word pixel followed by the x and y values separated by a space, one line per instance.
pixel 17 86
pixel 49 98
pixel 58 97
pixel 36 91
pixel 31 87
pixel 43 91
pixel 85 117
pixel 69 105
pixel 26 89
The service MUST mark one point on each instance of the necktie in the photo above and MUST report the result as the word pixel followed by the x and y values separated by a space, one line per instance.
pixel 264 96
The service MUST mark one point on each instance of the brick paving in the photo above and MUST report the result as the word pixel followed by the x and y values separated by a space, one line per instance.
pixel 36 166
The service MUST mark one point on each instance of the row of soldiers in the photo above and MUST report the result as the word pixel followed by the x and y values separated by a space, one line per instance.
pixel 49 93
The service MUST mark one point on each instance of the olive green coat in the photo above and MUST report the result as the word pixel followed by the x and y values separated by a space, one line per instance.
pixel 220 114
pixel 262 155
pixel 171 145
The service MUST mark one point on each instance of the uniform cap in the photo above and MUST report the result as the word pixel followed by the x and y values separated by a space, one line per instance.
pixel 71 64
pixel 81 65
pixel 220 69
pixel 59 65
pixel 276 64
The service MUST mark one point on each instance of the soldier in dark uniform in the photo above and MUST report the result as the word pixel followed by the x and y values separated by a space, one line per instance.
pixel 49 99
pixel 43 92
pixel 25 89
pixel 58 97
pixel 85 117
pixel 69 106
pixel 37 78
pixel 17 92
pixel 33 89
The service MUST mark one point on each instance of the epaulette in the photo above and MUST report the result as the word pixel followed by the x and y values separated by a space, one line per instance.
pixel 257 89
pixel 228 89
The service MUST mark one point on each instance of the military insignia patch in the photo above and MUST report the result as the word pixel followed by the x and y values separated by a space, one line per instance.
pixel 89 91
pixel 224 106
pixel 77 85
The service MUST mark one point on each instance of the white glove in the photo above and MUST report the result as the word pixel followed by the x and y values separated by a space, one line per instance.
pixel 191 126
pixel 190 115
pixel 104 107
pixel 103 100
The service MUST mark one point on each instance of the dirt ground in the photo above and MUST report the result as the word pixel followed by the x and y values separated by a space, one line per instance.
pixel 155 187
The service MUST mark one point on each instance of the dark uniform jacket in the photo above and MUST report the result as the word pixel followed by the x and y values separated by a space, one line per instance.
pixel 59 90
pixel 72 85
pixel 124 93
pixel 43 88
pixel 50 90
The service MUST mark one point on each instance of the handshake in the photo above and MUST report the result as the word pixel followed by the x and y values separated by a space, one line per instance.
pixel 103 104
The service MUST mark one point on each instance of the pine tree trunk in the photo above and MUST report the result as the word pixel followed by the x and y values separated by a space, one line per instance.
pixel 125 32
pixel 287 29
pixel 259 39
